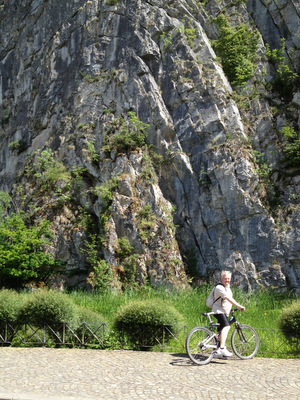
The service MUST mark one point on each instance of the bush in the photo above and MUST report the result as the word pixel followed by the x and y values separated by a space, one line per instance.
pixel 94 322
pixel 237 48
pixel 48 306
pixel 10 305
pixel 86 315
pixel 290 321
pixel 143 320
pixel 286 78
pixel 126 135
pixel 292 148
pixel 23 254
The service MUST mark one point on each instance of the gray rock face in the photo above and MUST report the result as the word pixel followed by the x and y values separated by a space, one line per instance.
pixel 278 19
pixel 70 70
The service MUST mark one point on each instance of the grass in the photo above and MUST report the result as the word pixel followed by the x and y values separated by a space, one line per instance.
pixel 262 308
pixel 262 311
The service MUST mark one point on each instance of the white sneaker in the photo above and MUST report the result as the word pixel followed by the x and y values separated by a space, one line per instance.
pixel 224 352
pixel 218 354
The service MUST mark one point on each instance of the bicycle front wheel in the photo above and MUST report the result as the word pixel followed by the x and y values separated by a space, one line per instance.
pixel 244 342
pixel 200 344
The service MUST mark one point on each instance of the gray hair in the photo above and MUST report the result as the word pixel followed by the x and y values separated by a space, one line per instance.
pixel 225 273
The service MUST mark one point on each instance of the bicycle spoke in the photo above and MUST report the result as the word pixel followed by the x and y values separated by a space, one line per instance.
pixel 245 342
pixel 200 344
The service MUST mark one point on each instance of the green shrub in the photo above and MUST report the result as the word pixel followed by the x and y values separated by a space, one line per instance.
pixel 143 320
pixel 126 134
pixel 23 251
pixel 48 306
pixel 292 148
pixel 94 328
pixel 286 78
pixel 237 48
pixel 290 321
pixel 101 276
pixel 87 315
pixel 10 305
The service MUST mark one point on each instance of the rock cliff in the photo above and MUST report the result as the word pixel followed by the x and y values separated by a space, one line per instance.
pixel 178 171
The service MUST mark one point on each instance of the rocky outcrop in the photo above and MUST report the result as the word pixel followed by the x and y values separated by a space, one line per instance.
pixel 276 20
pixel 75 73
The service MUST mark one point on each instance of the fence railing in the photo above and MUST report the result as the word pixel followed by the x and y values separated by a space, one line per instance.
pixel 102 336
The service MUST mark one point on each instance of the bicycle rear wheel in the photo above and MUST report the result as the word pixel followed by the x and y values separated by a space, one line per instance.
pixel 244 342
pixel 200 344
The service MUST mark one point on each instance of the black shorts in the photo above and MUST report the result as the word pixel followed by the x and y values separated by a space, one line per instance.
pixel 223 321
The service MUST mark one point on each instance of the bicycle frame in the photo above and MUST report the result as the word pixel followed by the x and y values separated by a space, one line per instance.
pixel 202 341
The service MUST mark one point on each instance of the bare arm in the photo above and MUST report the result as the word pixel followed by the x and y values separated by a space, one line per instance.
pixel 235 303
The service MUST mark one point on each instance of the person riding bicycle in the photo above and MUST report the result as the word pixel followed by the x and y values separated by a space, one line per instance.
pixel 221 309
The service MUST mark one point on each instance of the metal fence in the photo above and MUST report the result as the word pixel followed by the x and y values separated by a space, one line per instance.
pixel 102 336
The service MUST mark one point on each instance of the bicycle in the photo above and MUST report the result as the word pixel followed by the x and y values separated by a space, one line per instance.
pixel 202 343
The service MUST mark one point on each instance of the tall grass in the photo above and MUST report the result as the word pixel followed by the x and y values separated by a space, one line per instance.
pixel 262 307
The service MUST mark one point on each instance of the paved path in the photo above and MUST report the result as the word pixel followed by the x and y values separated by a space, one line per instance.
pixel 61 374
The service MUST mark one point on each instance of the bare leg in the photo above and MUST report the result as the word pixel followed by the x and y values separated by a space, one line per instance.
pixel 223 336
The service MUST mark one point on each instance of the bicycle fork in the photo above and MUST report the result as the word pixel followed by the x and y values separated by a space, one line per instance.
pixel 241 334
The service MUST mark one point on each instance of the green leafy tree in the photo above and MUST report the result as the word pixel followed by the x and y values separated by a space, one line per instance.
pixel 23 254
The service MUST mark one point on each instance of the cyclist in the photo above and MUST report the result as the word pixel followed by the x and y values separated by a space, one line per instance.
pixel 221 309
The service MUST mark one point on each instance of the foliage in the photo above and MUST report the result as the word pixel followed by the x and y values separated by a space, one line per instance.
pixel 148 172
pixel 263 170
pixel 129 262
pixel 87 315
pixel 285 77
pixel 237 48
pixel 49 177
pixel 48 306
pixel 49 171
pixel 101 275
pixel 146 223
pixel 10 305
pixel 93 154
pixel 125 249
pixel 263 308
pixel 142 320
pixel 92 319
pixel 130 265
pixel 105 191
pixel 128 134
pixel 290 321
pixel 49 183
pixel 23 254
pixel 190 32
pixel 18 146
pixel 5 201
pixel 167 39
pixel 76 174
pixel 145 212
pixel 292 149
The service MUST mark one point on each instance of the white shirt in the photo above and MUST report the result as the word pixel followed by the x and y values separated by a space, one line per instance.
pixel 222 306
